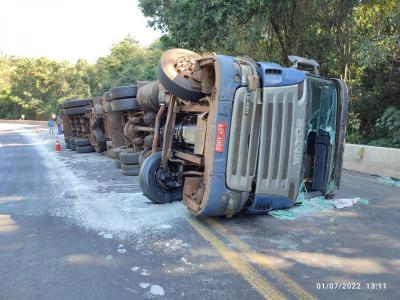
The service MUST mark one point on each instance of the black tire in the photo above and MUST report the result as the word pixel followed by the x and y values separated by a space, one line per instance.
pixel 125 104
pixel 172 80
pixel 107 96
pixel 148 140
pixel 72 147
pixel 129 158
pixel 66 139
pixel 141 83
pixel 76 111
pixel 76 103
pixel 118 150
pixel 143 155
pixel 151 187
pixel 147 97
pixel 101 146
pixel 84 149
pixel 99 135
pixel 82 142
pixel 71 140
pixel 67 146
pixel 130 170
pixel 123 92
pixel 107 107
pixel 149 118
pixel 117 164
pixel 98 122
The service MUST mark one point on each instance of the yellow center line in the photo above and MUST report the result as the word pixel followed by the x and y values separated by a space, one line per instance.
pixel 250 274
pixel 258 259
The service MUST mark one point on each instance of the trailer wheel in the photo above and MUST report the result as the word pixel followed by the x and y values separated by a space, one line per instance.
pixel 71 142
pixel 117 164
pixel 122 92
pixel 129 158
pixel 143 155
pixel 107 96
pixel 107 107
pixel 174 71
pixel 82 142
pixel 125 104
pixel 76 111
pixel 84 149
pixel 119 150
pixel 130 170
pixel 153 185
pixel 76 103
pixel 101 146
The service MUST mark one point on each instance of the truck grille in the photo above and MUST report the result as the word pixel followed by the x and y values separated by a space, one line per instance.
pixel 282 117
pixel 243 139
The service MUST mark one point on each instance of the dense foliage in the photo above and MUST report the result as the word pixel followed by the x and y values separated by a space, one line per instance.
pixel 34 87
pixel 357 40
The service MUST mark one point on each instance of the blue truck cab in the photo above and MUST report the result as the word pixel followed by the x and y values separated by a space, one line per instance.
pixel 260 136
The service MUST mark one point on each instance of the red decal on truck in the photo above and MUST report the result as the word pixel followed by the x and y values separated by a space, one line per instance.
pixel 220 137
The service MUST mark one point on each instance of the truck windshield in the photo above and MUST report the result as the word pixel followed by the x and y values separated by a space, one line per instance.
pixel 320 136
pixel 323 98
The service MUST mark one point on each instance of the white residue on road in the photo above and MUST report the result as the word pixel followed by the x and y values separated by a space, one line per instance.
pixel 81 201
pixel 155 289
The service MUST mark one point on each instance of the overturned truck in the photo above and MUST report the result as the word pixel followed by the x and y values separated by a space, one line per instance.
pixel 240 135
pixel 132 114
pixel 83 125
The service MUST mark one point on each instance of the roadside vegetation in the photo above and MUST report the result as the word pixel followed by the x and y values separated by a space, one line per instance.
pixel 358 41
pixel 34 87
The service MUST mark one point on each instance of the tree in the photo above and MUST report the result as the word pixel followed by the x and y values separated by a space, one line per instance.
pixel 356 40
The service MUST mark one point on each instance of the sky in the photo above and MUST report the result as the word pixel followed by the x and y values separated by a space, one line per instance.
pixel 69 29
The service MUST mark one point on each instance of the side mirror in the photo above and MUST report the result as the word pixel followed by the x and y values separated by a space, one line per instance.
pixel 298 62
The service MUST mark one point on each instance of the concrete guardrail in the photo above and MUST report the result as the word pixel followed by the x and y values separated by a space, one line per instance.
pixel 372 160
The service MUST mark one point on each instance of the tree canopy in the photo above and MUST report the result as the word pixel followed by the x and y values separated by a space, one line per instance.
pixel 356 40
pixel 34 87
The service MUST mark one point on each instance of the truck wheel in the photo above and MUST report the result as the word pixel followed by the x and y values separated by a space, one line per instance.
pixel 174 71
pixel 143 155
pixel 76 103
pixel 148 140
pixel 147 97
pixel 124 104
pixel 107 107
pixel 76 111
pixel 149 118
pixel 119 150
pixel 129 158
pixel 84 149
pixel 82 142
pixel 101 146
pixel 130 170
pixel 152 183
pixel 107 96
pixel 117 164
pixel 122 92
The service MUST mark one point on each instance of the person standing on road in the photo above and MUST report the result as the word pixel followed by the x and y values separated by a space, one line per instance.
pixel 50 123
pixel 59 126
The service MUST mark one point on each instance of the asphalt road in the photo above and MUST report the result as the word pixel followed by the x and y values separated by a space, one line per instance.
pixel 73 227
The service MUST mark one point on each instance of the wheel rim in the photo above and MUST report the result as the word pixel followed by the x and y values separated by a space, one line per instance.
pixel 184 67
